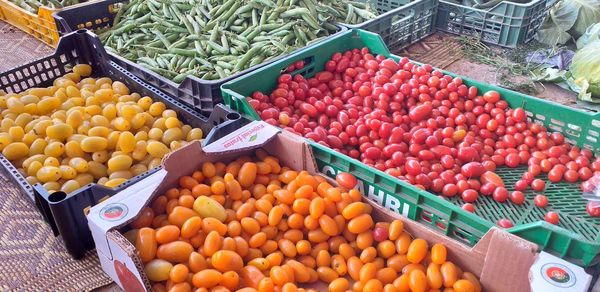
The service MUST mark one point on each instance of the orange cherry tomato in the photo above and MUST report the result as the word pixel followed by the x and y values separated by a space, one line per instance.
pixel 146 244
pixel 417 250
pixel 438 253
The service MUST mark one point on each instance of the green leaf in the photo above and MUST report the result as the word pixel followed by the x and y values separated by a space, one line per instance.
pixel 585 70
pixel 552 36
pixel 589 14
pixel 568 19
pixel 584 94
pixel 592 33
pixel 253 138
pixel 550 75
pixel 564 14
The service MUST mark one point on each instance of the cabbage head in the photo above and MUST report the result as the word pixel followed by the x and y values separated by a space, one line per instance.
pixel 568 19
pixel 585 70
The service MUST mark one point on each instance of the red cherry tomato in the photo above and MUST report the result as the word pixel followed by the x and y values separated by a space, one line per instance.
pixel 346 180
pixel 491 96
pixel 585 173
pixel 528 177
pixel 592 208
pixel 421 126
pixel 504 223
pixel 500 194
pixel 517 197
pixel 519 115
pixel 450 190
pixel 380 234
pixel 471 209
pixel 512 160
pixel 493 178
pixel 472 169
pixel 467 154
pixel 551 217
pixel 555 175
pixel 571 176
pixel 538 185
pixel 541 201
pixel 420 112
pixel 487 189
pixel 412 167
pixel 469 195
pixel 521 185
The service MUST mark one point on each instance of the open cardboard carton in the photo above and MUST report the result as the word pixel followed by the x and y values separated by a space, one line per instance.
pixel 502 261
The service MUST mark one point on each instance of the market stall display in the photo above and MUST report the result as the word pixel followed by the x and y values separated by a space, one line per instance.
pixel 451 136
pixel 337 165
pixel 68 152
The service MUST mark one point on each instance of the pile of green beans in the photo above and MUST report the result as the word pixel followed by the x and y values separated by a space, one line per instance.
pixel 34 5
pixel 214 39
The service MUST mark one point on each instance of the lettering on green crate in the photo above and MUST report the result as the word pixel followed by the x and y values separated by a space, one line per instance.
pixel 378 195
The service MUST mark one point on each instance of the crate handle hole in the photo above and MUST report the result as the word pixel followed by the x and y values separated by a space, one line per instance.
pixel 57 197
pixel 81 30
pixel 426 216
pixel 460 236
pixel 233 116
pixel 441 225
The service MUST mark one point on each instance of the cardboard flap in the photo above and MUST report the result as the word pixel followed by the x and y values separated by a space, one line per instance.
pixel 176 160
pixel 483 244
pixel 132 199
pixel 252 135
pixel 507 257
pixel 293 151
pixel 121 208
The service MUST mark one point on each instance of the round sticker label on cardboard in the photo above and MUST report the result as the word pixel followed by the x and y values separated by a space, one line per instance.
pixel 113 212
pixel 558 275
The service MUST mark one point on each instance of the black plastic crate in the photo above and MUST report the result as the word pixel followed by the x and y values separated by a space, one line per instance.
pixel 199 94
pixel 65 213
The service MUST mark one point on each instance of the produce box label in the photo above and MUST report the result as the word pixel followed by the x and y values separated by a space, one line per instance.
pixel 550 273
pixel 254 134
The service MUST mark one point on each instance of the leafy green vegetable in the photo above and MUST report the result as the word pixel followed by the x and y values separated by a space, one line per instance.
pixel 592 33
pixel 585 70
pixel 589 14
pixel 568 19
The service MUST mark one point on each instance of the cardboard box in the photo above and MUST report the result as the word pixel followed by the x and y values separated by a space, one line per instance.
pixel 502 261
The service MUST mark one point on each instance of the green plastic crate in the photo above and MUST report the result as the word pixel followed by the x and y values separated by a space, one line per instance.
pixel 576 238
pixel 507 24
pixel 400 23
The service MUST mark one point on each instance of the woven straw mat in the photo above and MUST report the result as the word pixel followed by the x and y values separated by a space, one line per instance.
pixel 31 258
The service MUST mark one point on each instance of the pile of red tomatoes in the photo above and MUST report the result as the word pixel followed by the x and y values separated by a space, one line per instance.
pixel 424 127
